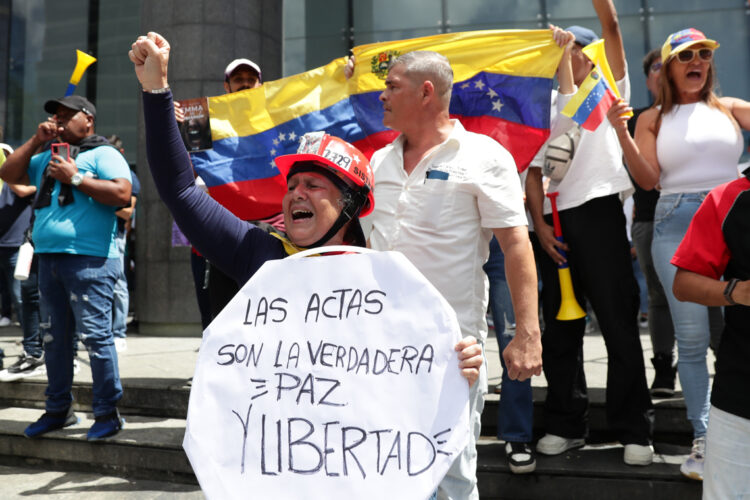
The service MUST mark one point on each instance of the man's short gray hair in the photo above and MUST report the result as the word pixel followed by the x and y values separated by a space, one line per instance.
pixel 422 65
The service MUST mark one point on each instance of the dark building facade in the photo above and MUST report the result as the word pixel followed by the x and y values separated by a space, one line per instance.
pixel 38 40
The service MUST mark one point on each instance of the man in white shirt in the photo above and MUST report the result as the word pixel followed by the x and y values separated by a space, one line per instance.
pixel 593 227
pixel 441 193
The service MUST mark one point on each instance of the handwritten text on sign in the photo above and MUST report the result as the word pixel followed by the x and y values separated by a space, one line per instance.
pixel 331 377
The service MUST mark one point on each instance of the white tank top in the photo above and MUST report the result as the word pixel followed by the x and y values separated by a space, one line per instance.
pixel 698 148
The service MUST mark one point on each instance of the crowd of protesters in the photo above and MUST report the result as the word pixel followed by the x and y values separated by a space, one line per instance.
pixel 74 202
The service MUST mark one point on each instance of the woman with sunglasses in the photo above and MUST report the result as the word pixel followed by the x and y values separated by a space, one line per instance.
pixel 687 144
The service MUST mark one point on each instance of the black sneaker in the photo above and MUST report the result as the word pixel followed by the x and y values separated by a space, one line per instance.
pixel 51 422
pixel 664 376
pixel 25 366
pixel 521 458
pixel 105 426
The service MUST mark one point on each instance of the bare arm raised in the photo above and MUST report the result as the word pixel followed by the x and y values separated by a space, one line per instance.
pixel 613 45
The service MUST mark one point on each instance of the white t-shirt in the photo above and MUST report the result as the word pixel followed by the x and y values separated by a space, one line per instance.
pixel 698 148
pixel 597 169
pixel 441 215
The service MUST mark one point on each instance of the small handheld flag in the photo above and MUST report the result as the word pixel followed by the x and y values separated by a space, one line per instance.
pixel 589 106
pixel 597 93
pixel 83 61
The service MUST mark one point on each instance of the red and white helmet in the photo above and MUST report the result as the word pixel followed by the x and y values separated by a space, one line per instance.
pixel 339 157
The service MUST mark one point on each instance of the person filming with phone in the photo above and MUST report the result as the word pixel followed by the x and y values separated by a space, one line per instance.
pixel 81 181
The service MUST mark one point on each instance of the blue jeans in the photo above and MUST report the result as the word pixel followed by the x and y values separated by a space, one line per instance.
pixel 32 340
pixel 121 296
pixel 671 220
pixel 76 295
pixel 659 320
pixel 515 416
pixel 8 258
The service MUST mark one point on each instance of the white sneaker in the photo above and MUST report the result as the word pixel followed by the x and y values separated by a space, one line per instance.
pixel 554 445
pixel 693 466
pixel 121 345
pixel 638 454
pixel 4 321
pixel 25 366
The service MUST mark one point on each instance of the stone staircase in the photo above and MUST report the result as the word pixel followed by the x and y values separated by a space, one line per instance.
pixel 155 372
pixel 597 470
pixel 150 446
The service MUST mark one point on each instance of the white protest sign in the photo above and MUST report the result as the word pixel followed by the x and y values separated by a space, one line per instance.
pixel 329 377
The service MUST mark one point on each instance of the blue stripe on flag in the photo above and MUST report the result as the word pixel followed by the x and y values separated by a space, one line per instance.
pixel 509 97
pixel 512 98
pixel 237 159
pixel 590 103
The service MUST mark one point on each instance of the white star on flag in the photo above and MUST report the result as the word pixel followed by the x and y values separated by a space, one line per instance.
pixel 479 84
pixel 282 137
pixel 292 136
pixel 273 152
pixel 275 142
pixel 465 85
pixel 497 105
pixel 491 92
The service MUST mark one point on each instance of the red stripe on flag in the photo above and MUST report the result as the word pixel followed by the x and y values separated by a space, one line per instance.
pixel 251 200
pixel 375 141
pixel 508 134
pixel 599 113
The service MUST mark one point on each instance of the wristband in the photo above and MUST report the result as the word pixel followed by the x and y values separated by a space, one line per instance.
pixel 729 289
pixel 162 90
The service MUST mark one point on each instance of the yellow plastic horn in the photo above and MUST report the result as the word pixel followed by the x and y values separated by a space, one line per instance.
pixel 83 61
pixel 569 308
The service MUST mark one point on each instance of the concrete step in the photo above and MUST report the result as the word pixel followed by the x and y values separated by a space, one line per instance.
pixel 152 397
pixel 589 473
pixel 169 398
pixel 151 448
pixel 146 447
pixel 670 417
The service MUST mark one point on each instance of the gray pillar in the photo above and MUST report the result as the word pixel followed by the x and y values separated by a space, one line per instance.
pixel 205 36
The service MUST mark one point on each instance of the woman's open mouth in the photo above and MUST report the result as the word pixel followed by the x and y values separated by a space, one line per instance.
pixel 301 214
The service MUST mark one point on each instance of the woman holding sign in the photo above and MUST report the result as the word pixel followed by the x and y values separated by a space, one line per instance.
pixel 687 144
pixel 329 183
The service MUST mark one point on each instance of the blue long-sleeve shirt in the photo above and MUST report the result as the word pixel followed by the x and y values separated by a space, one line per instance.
pixel 235 246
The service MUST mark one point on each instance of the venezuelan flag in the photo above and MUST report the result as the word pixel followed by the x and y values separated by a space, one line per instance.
pixel 503 80
pixel 597 93
pixel 252 127
pixel 589 106
pixel 502 84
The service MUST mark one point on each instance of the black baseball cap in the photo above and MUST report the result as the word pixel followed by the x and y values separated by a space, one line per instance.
pixel 73 102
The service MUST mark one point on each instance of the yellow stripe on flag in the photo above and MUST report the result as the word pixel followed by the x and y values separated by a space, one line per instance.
pixel 584 90
pixel 514 52
pixel 531 53
pixel 276 102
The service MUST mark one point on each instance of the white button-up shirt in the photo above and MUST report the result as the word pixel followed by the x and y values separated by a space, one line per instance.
pixel 441 215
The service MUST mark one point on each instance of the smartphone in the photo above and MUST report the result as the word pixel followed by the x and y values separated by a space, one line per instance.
pixel 62 149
